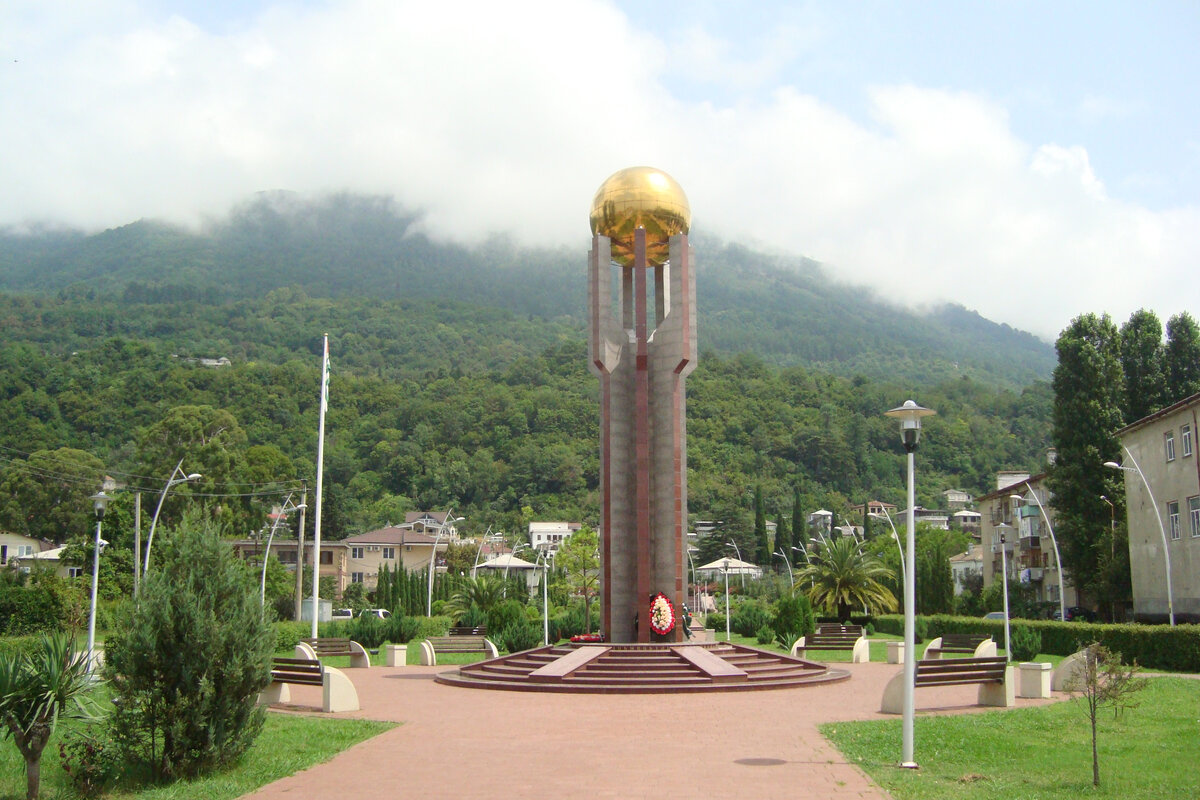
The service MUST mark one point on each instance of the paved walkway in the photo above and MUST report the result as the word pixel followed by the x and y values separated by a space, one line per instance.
pixel 471 743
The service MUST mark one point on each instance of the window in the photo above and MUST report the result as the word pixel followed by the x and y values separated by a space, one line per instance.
pixel 1194 514
pixel 1169 441
pixel 1185 433
pixel 389 553
pixel 356 552
pixel 24 550
pixel 1173 518
pixel 356 577
pixel 74 572
pixel 326 556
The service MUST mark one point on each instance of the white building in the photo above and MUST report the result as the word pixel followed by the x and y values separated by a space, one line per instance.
pixel 549 535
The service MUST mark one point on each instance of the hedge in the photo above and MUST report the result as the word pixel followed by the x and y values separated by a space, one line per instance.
pixel 1153 646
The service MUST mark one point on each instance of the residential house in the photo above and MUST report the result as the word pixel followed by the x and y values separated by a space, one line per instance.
pixel 18 545
pixel 1161 465
pixel 965 565
pixel 394 546
pixel 549 535
pixel 933 517
pixel 956 499
pixel 1025 508
pixel 334 557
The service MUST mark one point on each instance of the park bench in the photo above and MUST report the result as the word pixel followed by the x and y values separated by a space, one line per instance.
pixel 993 674
pixel 480 630
pixel 975 645
pixel 337 692
pixel 460 643
pixel 836 637
pixel 329 647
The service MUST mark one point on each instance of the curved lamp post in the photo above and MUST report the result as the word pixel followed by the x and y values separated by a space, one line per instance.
pixel 737 550
pixel 910 415
pixel 791 577
pixel 267 553
pixel 99 504
pixel 1161 528
pixel 895 534
pixel 1062 587
pixel 172 481
pixel 433 557
pixel 545 562
pixel 725 569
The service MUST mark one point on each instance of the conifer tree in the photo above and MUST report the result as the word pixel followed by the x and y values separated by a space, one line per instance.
pixel 783 537
pixel 762 545
pixel 1087 387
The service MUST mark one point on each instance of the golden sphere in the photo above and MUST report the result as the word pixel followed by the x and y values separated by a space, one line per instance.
pixel 640 197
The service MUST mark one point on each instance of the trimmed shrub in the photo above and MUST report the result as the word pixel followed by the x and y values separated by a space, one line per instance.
pixel 716 621
pixel 289 634
pixel 793 618
pixel 517 636
pixel 505 614
pixel 1026 644
pixel 765 635
pixel 749 617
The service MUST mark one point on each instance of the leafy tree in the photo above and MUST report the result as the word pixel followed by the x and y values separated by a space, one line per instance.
pixel 842 579
pixel 1087 413
pixel 579 558
pixel 188 661
pixel 36 690
pixel 1142 365
pixel 1182 357
pixel 46 495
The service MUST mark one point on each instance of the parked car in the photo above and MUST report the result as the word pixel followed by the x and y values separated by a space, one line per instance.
pixel 342 613
pixel 994 615
pixel 382 613
pixel 1077 614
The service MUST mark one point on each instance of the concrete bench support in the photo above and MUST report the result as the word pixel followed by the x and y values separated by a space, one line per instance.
pixel 1000 693
pixel 1035 679
pixel 895 652
pixel 860 651
pixel 1068 672
pixel 395 655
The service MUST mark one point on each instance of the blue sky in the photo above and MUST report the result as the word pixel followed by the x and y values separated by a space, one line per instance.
pixel 1032 161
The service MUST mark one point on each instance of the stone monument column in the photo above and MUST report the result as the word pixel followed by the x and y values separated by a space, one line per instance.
pixel 642 347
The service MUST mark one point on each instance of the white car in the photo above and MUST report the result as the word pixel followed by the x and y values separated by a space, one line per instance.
pixel 342 613
pixel 382 613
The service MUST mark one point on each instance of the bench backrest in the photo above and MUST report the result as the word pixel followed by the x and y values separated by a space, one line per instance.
pixel 299 669
pixel 971 640
pixel 324 646
pixel 449 643
pixel 833 627
pixel 961 670
pixel 479 630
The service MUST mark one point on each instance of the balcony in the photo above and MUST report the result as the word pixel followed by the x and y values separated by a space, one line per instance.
pixel 1032 575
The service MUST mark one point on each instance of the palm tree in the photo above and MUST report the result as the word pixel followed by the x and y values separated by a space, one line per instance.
pixel 842 578
pixel 36 690
pixel 483 593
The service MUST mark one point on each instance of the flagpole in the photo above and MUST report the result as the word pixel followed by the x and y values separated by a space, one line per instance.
pixel 320 478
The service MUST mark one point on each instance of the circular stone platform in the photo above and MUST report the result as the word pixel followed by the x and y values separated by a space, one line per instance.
pixel 641 668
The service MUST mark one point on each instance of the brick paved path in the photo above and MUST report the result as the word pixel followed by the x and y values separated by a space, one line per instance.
pixel 470 743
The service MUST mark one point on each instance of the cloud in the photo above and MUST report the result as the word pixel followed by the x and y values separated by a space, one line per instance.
pixel 511 121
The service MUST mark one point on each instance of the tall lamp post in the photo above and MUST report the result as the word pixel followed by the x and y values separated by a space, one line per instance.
pixel 172 481
pixel 287 503
pixel 544 560
pixel 99 504
pixel 725 569
pixel 910 415
pixel 1062 587
pixel 1161 528
pixel 1003 530
pixel 741 569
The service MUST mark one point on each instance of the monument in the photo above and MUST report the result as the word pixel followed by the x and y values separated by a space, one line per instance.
pixel 642 346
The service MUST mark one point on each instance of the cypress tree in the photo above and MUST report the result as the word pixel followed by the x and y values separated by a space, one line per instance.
pixel 1142 365
pixel 1086 414
pixel 762 544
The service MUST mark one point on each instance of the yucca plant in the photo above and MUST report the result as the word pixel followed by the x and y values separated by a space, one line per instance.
pixel 36 690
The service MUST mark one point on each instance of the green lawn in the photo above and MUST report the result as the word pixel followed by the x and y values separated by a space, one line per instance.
pixel 288 744
pixel 1034 753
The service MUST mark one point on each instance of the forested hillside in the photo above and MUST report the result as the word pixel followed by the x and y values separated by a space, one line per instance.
pixel 459 378
pixel 787 310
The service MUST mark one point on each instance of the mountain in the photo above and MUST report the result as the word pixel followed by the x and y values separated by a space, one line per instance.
pixel 787 310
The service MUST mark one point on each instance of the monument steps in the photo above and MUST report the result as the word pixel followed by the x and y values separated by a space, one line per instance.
pixel 641 668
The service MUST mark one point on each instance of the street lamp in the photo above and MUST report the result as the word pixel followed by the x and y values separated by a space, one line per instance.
pixel 791 577
pixel 99 503
pixel 433 556
pixel 910 415
pixel 172 481
pixel 1161 528
pixel 1062 587
pixel 1003 529
pixel 267 553
pixel 741 569
pixel 544 560
pixel 725 569
pixel 895 534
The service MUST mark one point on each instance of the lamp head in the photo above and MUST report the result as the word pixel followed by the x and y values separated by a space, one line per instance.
pixel 99 503
pixel 910 415
pixel 1113 465
pixel 195 476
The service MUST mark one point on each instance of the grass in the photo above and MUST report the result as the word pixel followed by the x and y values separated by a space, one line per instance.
pixel 1036 753
pixel 287 744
